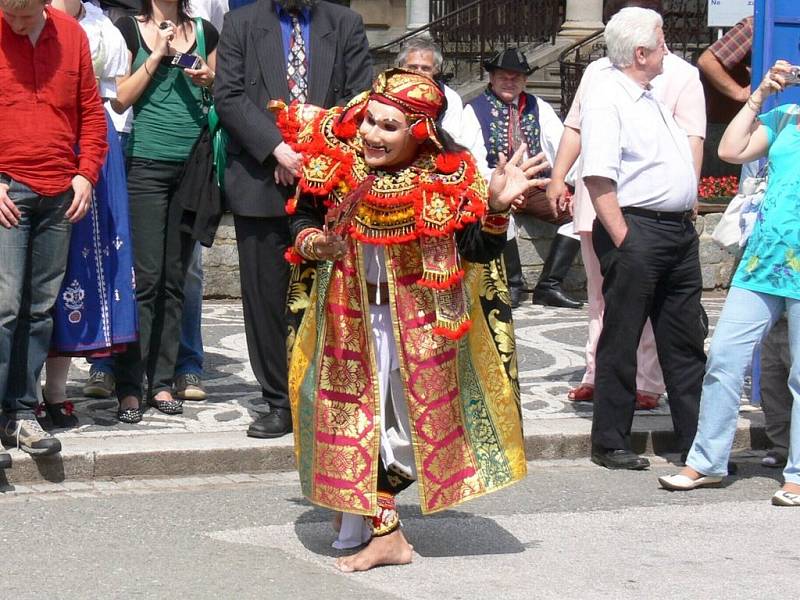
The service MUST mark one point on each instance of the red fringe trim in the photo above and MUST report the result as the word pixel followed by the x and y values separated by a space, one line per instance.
pixel 292 256
pixel 464 202
pixel 454 334
pixel 444 284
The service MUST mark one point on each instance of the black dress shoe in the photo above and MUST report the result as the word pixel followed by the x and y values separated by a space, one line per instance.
pixel 619 459
pixel 554 297
pixel 5 460
pixel 273 425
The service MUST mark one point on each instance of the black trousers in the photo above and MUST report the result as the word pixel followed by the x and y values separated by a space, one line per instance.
pixel 161 255
pixel 654 273
pixel 264 275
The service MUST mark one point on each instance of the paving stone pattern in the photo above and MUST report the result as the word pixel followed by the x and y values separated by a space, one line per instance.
pixel 550 347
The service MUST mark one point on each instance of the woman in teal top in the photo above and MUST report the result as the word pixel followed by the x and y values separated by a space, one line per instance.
pixel 169 114
pixel 766 284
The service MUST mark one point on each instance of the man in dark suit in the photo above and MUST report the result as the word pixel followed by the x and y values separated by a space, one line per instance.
pixel 315 52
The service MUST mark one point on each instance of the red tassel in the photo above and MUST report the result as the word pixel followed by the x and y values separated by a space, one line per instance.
pixel 292 256
pixel 419 130
pixel 448 163
pixel 453 334
pixel 345 130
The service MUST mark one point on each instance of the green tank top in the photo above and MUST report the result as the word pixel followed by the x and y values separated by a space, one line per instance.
pixel 169 115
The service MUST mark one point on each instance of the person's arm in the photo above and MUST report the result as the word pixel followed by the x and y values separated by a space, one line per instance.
pixel 718 76
pixel 696 146
pixel 603 192
pixel 602 138
pixel 91 140
pixel 569 148
pixel 746 138
pixel 130 88
pixel 247 123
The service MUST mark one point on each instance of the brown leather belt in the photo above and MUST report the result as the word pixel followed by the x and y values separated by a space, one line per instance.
pixel 372 293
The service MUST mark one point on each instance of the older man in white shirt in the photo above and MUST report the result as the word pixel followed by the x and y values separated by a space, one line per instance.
pixel 639 171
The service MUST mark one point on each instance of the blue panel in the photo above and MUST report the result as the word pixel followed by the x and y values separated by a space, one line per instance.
pixel 777 35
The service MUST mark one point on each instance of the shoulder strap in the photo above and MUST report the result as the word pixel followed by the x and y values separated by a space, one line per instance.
pixel 200 37
pixel 136 29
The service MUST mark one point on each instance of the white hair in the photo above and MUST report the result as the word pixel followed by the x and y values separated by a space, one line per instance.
pixel 629 29
pixel 421 43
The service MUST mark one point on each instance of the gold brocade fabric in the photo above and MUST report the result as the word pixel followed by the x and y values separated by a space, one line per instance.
pixel 462 395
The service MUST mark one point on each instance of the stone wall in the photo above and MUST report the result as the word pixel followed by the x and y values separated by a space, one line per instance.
pixel 534 238
pixel 221 261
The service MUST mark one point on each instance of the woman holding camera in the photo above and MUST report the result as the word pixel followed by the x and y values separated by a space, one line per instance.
pixel 172 64
pixel 766 284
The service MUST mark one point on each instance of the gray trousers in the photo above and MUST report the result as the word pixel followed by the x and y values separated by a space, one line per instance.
pixel 776 399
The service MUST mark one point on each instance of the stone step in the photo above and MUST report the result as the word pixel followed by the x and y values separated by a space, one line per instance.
pixel 162 455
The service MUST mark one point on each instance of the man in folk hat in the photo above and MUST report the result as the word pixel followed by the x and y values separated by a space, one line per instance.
pixel 509 117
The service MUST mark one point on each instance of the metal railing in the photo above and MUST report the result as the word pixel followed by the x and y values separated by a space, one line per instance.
pixel 469 32
pixel 685 29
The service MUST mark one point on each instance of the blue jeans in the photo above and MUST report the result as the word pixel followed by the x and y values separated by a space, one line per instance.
pixel 745 321
pixel 33 256
pixel 190 353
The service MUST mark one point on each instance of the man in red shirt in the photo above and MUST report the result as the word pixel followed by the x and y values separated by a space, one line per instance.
pixel 50 108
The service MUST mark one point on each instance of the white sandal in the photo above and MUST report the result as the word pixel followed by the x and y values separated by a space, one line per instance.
pixel 784 498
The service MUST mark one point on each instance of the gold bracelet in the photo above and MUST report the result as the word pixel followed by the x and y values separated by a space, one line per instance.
pixel 753 105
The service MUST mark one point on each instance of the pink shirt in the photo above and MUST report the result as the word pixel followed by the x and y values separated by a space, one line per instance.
pixel 678 88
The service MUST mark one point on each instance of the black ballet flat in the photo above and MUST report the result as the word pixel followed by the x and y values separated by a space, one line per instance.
pixel 129 415
pixel 168 407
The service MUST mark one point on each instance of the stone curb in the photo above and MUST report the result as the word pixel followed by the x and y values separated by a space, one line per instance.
pixel 197 454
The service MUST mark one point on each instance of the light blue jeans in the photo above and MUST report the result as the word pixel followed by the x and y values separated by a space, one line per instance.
pixel 745 321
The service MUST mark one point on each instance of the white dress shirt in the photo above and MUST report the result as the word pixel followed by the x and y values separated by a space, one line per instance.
pixel 629 137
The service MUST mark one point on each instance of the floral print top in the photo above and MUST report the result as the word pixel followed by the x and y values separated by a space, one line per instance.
pixel 771 261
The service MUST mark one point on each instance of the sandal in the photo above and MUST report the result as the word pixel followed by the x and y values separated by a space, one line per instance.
pixel 583 393
pixel 57 414
pixel 168 407
pixel 62 414
pixel 645 401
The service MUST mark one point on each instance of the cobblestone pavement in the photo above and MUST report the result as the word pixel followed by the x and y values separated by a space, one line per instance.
pixel 550 346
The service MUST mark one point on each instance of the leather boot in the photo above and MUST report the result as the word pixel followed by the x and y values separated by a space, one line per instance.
pixel 513 268
pixel 548 291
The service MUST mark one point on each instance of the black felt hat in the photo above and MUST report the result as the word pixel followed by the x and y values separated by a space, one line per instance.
pixel 510 59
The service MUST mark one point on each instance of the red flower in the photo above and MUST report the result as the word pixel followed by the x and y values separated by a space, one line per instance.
pixel 68 407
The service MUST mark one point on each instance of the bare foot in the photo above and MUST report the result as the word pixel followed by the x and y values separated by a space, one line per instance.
pixel 163 396
pixel 337 522
pixel 392 549
pixel 792 488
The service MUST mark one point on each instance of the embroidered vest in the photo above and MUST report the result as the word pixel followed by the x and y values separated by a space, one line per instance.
pixel 494 115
